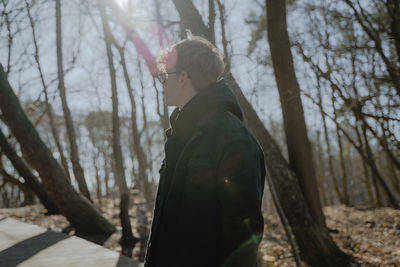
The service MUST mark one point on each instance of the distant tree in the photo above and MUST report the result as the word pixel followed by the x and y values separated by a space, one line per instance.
pixel 31 181
pixel 127 241
pixel 76 166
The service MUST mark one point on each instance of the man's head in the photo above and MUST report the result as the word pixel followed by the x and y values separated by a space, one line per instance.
pixel 187 67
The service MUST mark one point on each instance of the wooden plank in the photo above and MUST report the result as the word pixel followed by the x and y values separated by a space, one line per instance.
pixel 23 244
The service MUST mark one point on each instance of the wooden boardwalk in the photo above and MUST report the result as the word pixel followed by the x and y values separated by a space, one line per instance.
pixel 24 244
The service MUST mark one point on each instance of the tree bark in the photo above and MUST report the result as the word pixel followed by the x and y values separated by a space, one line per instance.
pixel 299 149
pixel 211 20
pixel 78 211
pixel 187 7
pixel 393 7
pixel 127 240
pixel 76 166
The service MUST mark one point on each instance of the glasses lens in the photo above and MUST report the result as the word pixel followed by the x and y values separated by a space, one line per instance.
pixel 162 77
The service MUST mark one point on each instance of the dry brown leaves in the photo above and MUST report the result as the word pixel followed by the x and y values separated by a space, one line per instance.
pixel 372 237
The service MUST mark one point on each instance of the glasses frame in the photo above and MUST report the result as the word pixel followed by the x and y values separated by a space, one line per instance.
pixel 163 76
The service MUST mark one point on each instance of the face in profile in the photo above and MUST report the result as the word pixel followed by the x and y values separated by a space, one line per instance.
pixel 172 87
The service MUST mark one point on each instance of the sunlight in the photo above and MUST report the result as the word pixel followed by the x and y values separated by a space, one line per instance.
pixel 121 3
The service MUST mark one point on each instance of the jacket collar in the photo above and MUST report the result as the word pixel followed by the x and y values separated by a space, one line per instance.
pixel 210 99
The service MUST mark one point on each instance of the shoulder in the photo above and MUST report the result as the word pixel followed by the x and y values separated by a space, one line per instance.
pixel 223 129
pixel 226 125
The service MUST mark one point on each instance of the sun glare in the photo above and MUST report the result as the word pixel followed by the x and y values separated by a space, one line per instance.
pixel 121 3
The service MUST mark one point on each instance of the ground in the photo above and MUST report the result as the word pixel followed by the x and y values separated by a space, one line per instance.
pixel 372 237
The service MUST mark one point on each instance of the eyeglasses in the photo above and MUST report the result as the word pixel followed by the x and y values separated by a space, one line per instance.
pixel 163 76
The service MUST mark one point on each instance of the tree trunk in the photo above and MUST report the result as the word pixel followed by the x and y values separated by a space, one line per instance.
pixel 78 211
pixel 7 178
pixel 30 180
pixel 187 7
pixel 106 174
pixel 76 166
pixel 299 149
pixel 328 145
pixel 127 240
pixel 345 199
pixel 367 157
pixel 309 235
pixel 321 175
pixel 141 156
pixel 211 20
pixel 98 182
pixel 49 110
pixel 393 7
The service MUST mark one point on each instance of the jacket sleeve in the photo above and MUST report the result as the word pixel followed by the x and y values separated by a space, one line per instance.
pixel 241 174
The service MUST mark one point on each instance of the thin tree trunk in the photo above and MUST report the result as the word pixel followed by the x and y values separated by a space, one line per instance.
pixel 374 36
pixel 187 7
pixel 328 145
pixel 299 149
pixel 393 7
pixel 371 163
pixel 369 158
pixel 127 240
pixel 225 45
pixel 7 178
pixel 321 173
pixel 78 211
pixel 10 37
pixel 345 197
pixel 49 110
pixel 141 156
pixel 30 180
pixel 98 182
pixel 76 166
pixel 368 185
pixel 382 141
pixel 211 20
pixel 106 174
pixel 96 168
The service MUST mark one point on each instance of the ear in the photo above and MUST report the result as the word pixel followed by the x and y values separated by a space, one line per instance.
pixel 183 78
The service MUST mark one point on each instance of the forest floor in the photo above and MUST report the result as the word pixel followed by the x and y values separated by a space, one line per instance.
pixel 372 237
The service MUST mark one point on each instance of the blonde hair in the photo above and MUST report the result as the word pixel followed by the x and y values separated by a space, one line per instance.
pixel 198 57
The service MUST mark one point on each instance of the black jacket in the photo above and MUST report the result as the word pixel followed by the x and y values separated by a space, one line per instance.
pixel 208 206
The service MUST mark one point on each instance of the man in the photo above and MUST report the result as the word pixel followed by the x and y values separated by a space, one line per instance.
pixel 208 205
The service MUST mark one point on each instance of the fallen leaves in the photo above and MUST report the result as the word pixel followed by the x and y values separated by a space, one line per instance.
pixel 372 237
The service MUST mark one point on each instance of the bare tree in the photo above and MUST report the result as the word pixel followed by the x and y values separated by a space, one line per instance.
pixel 299 149
pixel 30 180
pixel 127 240
pixel 49 110
pixel 76 166
pixel 79 212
